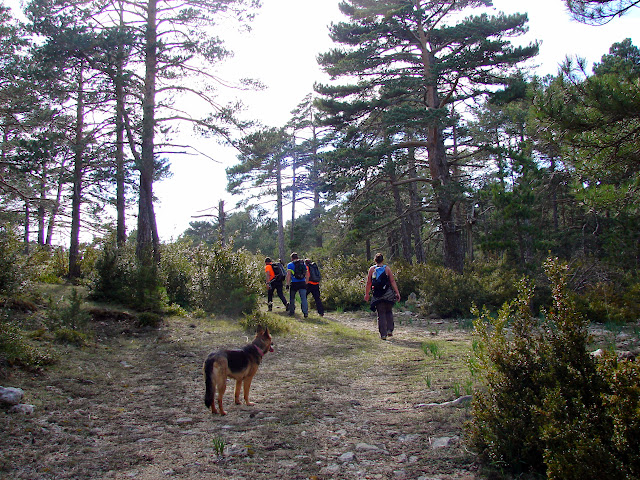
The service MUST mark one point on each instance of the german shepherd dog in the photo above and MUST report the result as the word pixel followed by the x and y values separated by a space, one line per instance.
pixel 240 364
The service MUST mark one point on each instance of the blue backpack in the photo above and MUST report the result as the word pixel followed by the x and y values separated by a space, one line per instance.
pixel 380 280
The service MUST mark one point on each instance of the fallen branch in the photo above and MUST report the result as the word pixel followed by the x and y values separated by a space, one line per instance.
pixel 458 401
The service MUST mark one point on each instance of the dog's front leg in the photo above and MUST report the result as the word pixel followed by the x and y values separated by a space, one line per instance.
pixel 237 391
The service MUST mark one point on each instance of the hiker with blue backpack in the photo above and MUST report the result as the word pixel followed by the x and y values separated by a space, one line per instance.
pixel 297 278
pixel 313 285
pixel 383 291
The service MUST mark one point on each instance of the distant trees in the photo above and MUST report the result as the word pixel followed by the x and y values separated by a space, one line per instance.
pixel 263 156
pixel 597 122
pixel 102 82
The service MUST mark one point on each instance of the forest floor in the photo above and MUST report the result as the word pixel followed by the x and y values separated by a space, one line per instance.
pixel 333 401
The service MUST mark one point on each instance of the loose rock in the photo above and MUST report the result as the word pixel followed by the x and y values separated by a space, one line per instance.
pixel 10 396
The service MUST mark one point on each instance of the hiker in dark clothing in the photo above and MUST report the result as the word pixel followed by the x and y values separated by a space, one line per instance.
pixel 313 285
pixel 274 282
pixel 385 295
pixel 297 277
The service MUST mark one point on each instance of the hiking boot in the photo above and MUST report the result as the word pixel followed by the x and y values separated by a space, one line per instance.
pixel 306 315
pixel 390 334
pixel 291 314
pixel 384 338
pixel 270 307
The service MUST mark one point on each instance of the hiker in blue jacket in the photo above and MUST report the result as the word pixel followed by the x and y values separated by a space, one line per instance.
pixel 297 278
pixel 385 295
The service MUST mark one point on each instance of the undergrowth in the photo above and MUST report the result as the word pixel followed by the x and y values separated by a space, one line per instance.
pixel 543 404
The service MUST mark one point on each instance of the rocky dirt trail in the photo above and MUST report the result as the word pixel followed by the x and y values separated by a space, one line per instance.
pixel 332 402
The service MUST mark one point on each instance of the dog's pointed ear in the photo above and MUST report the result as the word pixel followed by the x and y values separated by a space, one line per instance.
pixel 259 330
pixel 266 332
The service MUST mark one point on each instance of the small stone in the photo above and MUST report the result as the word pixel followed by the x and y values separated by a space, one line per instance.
pixel 365 447
pixel 347 457
pixel 330 469
pixel 22 408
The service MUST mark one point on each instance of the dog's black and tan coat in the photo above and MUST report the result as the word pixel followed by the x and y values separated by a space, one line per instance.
pixel 241 364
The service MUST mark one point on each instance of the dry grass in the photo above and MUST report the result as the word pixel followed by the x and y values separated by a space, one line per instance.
pixel 131 405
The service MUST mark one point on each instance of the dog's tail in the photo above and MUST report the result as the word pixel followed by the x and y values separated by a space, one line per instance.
pixel 209 386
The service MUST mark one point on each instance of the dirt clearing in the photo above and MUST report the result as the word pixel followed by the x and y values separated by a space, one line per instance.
pixel 332 402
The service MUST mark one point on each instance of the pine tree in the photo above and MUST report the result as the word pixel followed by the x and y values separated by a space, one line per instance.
pixel 412 59
pixel 263 156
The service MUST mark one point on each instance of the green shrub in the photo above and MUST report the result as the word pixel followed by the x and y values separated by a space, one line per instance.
pixel 15 349
pixel 149 319
pixel 114 272
pixel 175 311
pixel 622 406
pixel 445 293
pixel 345 267
pixel 120 278
pixel 13 274
pixel 226 282
pixel 177 270
pixel 67 313
pixel 50 265
pixel 497 284
pixel 541 402
pixel 69 335
pixel 277 324
pixel 343 281
pixel 343 294
pixel 609 302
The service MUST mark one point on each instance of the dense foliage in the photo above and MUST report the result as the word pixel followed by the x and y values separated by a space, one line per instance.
pixel 543 403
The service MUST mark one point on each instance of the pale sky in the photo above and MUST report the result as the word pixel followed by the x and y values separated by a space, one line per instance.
pixel 281 51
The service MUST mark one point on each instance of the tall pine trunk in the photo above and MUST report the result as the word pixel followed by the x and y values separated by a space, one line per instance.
pixel 27 219
pixel 405 232
pixel 41 205
pixel 415 219
pixel 315 181
pixel 56 204
pixel 78 168
pixel 293 196
pixel 443 184
pixel 121 230
pixel 281 251
pixel 147 247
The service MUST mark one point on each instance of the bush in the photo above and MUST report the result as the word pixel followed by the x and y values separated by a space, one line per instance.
pixel 226 282
pixel 541 404
pixel 15 349
pixel 120 278
pixel 177 270
pixel 276 324
pixel 12 268
pixel 68 335
pixel 343 281
pixel 343 294
pixel 446 293
pixel 50 266
pixel 149 319
pixel 606 302
pixel 67 314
